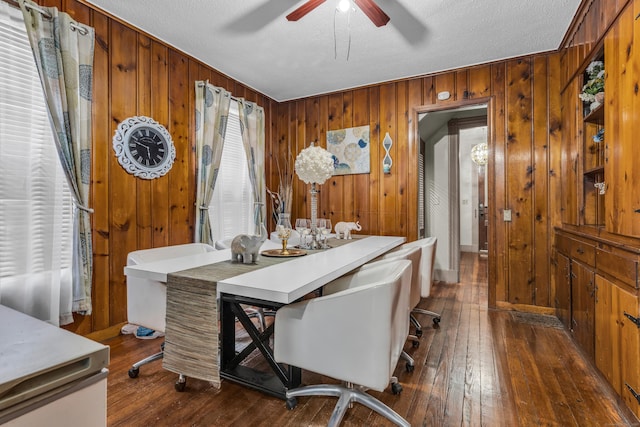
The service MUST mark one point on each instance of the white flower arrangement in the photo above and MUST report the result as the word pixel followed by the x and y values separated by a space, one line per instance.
pixel 314 165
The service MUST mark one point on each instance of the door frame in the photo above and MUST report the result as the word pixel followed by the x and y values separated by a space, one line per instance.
pixel 415 151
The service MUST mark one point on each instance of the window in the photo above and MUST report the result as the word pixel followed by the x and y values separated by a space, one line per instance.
pixel 35 203
pixel 231 209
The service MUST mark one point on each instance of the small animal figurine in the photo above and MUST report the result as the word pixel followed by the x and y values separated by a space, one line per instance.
pixel 245 248
pixel 344 229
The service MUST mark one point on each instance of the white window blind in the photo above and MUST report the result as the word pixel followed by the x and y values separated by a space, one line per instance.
pixel 231 208
pixel 35 203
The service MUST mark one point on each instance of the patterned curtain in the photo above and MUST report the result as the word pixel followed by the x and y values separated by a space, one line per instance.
pixel 212 110
pixel 252 129
pixel 63 52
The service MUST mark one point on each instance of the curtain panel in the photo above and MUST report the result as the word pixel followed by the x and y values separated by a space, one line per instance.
pixel 212 111
pixel 252 129
pixel 63 52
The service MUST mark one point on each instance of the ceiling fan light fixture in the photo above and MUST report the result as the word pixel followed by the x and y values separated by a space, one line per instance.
pixel 343 5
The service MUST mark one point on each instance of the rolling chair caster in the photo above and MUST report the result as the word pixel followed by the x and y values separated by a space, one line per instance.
pixel 181 383
pixel 291 403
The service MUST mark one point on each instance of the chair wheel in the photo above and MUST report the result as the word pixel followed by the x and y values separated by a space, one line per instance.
pixel 180 385
pixel 415 343
pixel 410 367
pixel 291 403
pixel 396 388
pixel 418 333
pixel 133 372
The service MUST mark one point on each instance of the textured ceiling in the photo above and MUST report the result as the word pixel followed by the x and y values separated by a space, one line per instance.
pixel 252 42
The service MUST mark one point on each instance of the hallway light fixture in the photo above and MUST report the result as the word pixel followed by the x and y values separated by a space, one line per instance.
pixel 480 154
pixel 343 5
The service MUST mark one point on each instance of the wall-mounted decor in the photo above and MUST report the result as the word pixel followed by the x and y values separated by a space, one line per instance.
pixel 387 161
pixel 350 150
pixel 144 147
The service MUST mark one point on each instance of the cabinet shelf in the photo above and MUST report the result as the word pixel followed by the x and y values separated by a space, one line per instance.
pixel 598 170
pixel 596 116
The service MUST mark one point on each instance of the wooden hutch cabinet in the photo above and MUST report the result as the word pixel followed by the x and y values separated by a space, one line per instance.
pixel 597 246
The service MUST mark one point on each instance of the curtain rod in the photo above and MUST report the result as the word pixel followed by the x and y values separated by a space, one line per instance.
pixel 74 26
pixel 202 84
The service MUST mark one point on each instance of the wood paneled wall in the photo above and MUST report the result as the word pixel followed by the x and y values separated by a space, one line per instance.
pixel 138 75
pixel 135 74
pixel 524 118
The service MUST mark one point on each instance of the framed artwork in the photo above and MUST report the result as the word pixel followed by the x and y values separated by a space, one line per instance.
pixel 350 150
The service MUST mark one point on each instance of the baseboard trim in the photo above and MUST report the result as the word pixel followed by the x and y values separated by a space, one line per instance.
pixel 526 308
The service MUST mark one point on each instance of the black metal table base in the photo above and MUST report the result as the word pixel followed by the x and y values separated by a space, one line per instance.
pixel 281 377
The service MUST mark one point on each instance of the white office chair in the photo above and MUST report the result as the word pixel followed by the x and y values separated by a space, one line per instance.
pixel 414 255
pixel 355 332
pixel 428 246
pixel 147 299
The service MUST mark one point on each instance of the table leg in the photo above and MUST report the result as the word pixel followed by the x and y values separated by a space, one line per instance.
pixel 275 382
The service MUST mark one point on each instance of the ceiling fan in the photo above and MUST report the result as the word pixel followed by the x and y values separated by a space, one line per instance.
pixel 369 7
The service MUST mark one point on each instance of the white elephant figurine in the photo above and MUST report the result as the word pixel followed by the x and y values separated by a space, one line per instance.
pixel 245 248
pixel 344 229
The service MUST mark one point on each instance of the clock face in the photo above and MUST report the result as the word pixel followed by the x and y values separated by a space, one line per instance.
pixel 144 147
pixel 147 146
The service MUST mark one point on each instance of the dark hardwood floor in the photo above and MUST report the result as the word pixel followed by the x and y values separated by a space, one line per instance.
pixel 481 367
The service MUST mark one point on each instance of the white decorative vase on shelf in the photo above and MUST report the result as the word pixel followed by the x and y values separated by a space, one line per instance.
pixel 599 100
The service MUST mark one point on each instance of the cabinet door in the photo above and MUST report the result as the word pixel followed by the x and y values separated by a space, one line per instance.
pixel 563 289
pixel 618 340
pixel 607 339
pixel 629 346
pixel 583 307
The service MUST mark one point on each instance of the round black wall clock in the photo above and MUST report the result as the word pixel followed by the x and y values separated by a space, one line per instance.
pixel 144 147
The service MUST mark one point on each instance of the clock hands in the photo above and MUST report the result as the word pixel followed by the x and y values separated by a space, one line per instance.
pixel 145 146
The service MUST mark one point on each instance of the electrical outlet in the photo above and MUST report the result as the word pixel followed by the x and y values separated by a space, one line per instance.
pixel 507 215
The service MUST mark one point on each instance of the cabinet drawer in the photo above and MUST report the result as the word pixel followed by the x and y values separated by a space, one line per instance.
pixel 583 252
pixel 623 269
pixel 563 244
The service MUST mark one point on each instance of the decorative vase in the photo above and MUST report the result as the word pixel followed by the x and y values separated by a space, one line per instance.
pixel 599 97
pixel 315 244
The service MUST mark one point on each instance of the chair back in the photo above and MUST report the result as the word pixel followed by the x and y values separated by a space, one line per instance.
pixel 147 299
pixel 355 334
pixel 427 262
pixel 415 256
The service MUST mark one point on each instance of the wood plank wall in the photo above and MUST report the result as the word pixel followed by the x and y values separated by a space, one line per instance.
pixel 135 74
pixel 524 114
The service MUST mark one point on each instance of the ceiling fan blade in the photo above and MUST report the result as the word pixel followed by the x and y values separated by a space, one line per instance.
pixel 377 16
pixel 304 9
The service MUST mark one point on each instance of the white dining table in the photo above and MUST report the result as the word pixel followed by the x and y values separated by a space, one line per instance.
pixel 270 287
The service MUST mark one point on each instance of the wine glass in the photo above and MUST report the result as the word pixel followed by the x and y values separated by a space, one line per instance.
pixel 326 231
pixel 320 227
pixel 301 228
pixel 283 229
